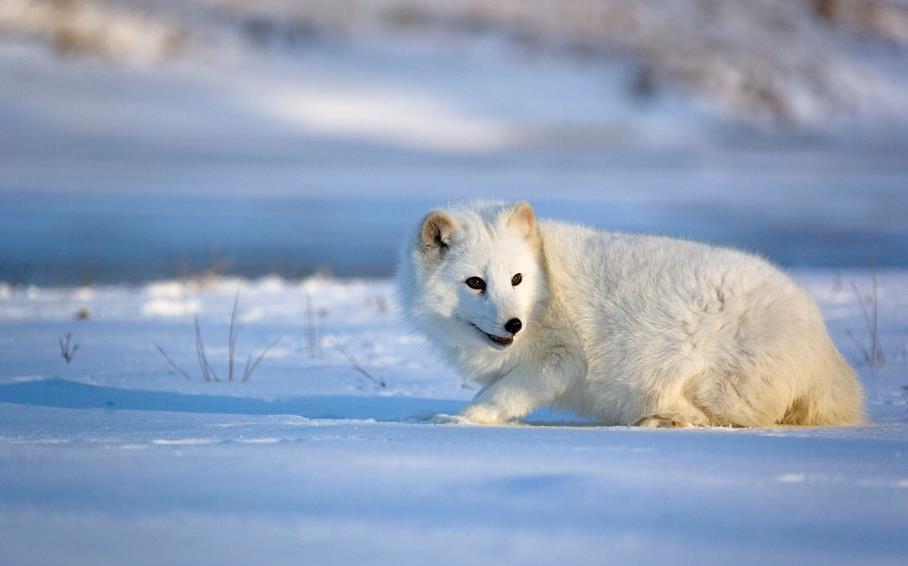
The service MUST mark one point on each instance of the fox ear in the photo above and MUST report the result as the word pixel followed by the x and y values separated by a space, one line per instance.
pixel 437 229
pixel 523 219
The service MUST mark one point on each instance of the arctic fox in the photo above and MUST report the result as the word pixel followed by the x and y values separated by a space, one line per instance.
pixel 626 329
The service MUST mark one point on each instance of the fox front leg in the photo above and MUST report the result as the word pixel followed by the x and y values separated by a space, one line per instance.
pixel 521 391
pixel 507 399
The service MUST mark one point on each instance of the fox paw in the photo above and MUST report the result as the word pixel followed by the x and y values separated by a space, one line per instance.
pixel 484 414
pixel 474 414
pixel 658 421
pixel 442 418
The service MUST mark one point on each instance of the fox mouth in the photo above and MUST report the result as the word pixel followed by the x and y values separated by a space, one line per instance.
pixel 499 341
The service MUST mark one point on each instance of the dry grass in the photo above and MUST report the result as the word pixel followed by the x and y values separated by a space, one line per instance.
pixel 105 30
pixel 67 348
pixel 208 374
pixel 871 349
pixel 171 365
pixel 251 365
pixel 772 62
pixel 313 344
pixel 206 371
pixel 358 368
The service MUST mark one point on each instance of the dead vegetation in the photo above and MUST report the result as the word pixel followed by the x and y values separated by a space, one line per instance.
pixel 93 28
pixel 770 62
pixel 171 365
pixel 777 63
pixel 870 347
pixel 206 370
pixel 358 368
pixel 313 342
pixel 876 18
pixel 67 347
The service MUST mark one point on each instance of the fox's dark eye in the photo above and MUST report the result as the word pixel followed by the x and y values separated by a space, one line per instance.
pixel 475 283
pixel 515 281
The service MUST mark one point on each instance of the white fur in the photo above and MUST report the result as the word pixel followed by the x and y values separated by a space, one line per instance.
pixel 624 328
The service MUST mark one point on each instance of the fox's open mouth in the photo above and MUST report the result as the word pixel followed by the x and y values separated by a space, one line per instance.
pixel 500 341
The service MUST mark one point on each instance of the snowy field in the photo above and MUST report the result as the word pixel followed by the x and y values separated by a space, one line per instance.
pixel 159 158
pixel 258 157
pixel 115 458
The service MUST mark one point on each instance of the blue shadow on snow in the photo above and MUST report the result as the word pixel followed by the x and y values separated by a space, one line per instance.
pixel 73 395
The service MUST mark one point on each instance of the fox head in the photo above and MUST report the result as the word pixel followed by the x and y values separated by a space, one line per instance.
pixel 472 277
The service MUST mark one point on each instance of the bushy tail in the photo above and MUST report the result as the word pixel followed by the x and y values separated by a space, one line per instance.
pixel 834 398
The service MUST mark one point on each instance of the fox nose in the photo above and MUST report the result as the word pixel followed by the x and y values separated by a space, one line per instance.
pixel 513 326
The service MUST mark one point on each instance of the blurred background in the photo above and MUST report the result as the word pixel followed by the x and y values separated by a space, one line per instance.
pixel 145 139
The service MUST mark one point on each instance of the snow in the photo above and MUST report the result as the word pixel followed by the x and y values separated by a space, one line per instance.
pixel 149 148
pixel 112 458
pixel 98 160
pixel 235 157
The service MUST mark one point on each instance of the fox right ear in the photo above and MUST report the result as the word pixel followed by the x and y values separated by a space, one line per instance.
pixel 437 229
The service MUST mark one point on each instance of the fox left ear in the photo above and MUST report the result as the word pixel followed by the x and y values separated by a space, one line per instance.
pixel 523 219
pixel 437 231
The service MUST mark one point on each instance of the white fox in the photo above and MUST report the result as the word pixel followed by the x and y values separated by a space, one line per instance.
pixel 626 329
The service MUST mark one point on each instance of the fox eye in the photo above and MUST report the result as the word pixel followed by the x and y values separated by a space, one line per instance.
pixel 515 281
pixel 475 283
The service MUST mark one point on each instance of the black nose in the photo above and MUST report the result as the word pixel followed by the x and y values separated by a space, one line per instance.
pixel 513 326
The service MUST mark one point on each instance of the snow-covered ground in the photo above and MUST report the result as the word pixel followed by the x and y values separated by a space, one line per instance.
pixel 147 140
pixel 112 458
pixel 250 137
